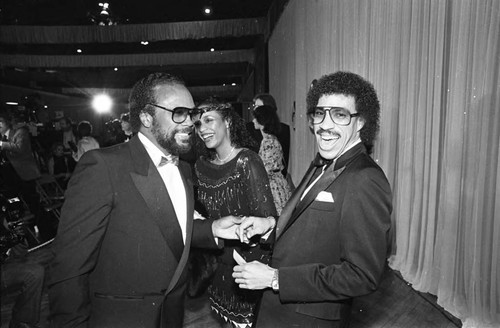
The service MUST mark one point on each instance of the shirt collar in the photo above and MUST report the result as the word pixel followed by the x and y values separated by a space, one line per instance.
pixel 153 151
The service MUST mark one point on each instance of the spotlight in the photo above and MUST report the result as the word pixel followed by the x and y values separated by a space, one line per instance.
pixel 207 10
pixel 102 104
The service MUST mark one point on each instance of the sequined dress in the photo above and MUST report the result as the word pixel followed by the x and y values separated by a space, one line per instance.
pixel 238 187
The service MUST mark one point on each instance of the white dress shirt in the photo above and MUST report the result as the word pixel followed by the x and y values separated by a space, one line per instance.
pixel 172 179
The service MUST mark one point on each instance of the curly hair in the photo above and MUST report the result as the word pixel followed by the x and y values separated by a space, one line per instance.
pixel 238 134
pixel 144 93
pixel 268 118
pixel 365 97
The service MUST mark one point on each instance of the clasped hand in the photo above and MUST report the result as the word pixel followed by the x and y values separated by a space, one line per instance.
pixel 242 228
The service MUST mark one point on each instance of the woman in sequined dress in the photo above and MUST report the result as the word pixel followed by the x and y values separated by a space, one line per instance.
pixel 231 180
pixel 266 120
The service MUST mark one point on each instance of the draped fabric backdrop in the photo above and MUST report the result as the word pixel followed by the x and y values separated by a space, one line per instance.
pixel 436 67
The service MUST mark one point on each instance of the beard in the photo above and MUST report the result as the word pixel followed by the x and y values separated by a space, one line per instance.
pixel 167 139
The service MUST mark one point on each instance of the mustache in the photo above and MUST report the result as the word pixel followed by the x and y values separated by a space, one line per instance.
pixel 322 131
pixel 185 130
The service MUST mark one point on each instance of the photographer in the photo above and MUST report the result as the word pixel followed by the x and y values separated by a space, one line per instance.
pixel 19 273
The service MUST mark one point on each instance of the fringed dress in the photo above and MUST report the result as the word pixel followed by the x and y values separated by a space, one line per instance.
pixel 238 187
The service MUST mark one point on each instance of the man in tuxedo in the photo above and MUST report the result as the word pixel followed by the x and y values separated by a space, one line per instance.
pixel 284 134
pixel 127 223
pixel 332 238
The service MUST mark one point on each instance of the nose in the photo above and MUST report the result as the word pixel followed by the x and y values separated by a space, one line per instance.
pixel 327 123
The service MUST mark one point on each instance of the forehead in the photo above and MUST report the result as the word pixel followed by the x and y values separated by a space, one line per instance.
pixel 212 113
pixel 338 100
pixel 172 96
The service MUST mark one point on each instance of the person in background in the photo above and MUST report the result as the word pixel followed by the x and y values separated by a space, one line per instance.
pixel 85 142
pixel 333 236
pixel 58 165
pixel 284 134
pixel 127 223
pixel 267 122
pixel 126 126
pixel 18 167
pixel 231 180
pixel 68 134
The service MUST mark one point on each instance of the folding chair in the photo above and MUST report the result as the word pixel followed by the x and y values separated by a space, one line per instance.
pixel 51 195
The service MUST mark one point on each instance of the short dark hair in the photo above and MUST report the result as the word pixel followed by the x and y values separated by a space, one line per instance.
pixel 144 92
pixel 266 99
pixel 365 98
pixel 125 117
pixel 267 117
pixel 84 129
pixel 238 133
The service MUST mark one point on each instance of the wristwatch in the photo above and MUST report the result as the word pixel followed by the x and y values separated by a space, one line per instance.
pixel 275 284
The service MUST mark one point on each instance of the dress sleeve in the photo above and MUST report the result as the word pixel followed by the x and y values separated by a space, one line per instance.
pixel 259 193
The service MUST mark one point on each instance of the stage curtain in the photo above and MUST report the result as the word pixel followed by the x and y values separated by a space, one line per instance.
pixel 18 34
pixel 436 67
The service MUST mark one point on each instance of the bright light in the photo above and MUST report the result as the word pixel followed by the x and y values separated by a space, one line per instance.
pixel 233 84
pixel 11 103
pixel 115 69
pixel 102 104
pixel 207 10
pixel 79 51
pixel 212 49
pixel 144 43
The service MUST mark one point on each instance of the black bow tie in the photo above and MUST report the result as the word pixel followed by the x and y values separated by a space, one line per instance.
pixel 320 161
pixel 5 138
pixel 170 159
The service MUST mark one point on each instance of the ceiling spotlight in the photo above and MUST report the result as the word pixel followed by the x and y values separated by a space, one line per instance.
pixel 144 43
pixel 207 10
pixel 115 69
pixel 212 49
pixel 79 51
pixel 102 104
pixel 12 103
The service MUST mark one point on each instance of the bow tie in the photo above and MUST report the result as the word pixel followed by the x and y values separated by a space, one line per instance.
pixel 320 161
pixel 169 159
pixel 5 138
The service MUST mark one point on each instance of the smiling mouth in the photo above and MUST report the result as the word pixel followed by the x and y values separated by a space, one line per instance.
pixel 207 137
pixel 329 136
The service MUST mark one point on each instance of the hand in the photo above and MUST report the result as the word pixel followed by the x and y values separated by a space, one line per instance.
pixel 226 227
pixel 253 275
pixel 253 225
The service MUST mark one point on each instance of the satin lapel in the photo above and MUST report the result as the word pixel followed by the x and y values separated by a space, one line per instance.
pixel 188 184
pixel 289 208
pixel 150 185
pixel 323 183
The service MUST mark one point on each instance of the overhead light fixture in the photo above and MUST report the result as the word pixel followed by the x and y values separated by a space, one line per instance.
pixel 115 69
pixel 233 84
pixel 207 10
pixel 102 104
pixel 12 103
pixel 144 43
pixel 212 49
pixel 79 51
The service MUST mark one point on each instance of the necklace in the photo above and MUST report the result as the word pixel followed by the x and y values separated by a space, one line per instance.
pixel 226 158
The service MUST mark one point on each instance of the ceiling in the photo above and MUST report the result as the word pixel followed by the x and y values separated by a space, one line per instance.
pixel 239 72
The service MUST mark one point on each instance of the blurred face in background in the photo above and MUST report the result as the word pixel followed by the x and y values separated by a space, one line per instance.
pixel 4 127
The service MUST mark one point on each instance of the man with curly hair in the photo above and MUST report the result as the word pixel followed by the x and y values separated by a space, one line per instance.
pixel 332 238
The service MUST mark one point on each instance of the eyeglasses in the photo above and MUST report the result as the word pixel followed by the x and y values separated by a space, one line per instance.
pixel 179 114
pixel 339 115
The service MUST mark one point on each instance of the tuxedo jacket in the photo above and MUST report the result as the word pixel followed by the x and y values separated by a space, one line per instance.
pixel 332 245
pixel 119 258
pixel 18 152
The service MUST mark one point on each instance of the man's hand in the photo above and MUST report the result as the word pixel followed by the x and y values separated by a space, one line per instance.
pixel 253 275
pixel 226 227
pixel 253 225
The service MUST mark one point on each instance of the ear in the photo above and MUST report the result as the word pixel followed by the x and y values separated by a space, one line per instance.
pixel 360 124
pixel 146 119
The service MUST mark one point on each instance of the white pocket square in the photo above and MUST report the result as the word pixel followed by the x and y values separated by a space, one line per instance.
pixel 325 196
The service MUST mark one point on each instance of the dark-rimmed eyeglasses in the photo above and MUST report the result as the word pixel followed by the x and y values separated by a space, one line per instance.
pixel 339 115
pixel 179 114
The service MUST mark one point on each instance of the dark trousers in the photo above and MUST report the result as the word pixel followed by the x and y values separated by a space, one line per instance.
pixel 26 277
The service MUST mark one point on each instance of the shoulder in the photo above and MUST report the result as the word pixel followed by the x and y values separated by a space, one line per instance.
pixel 246 154
pixel 364 170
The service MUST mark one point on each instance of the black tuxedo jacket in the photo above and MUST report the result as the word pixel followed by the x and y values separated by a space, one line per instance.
pixel 18 151
pixel 332 245
pixel 119 256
